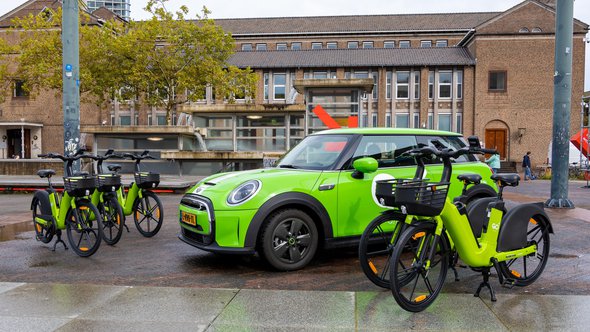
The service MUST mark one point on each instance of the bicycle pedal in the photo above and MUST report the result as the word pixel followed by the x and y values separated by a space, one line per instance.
pixel 508 283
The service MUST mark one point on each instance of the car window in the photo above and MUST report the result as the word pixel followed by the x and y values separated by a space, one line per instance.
pixel 316 152
pixel 387 149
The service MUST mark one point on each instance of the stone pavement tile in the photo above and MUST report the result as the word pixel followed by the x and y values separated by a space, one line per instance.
pixel 543 312
pixel 164 305
pixel 88 325
pixel 287 310
pixel 378 311
pixel 54 300
pixel 6 286
pixel 32 324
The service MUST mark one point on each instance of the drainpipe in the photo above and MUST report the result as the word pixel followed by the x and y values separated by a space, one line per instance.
pixel 22 141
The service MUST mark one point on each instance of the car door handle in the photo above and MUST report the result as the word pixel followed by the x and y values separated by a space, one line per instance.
pixel 326 187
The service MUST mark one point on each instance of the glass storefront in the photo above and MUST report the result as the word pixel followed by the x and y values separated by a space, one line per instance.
pixel 339 104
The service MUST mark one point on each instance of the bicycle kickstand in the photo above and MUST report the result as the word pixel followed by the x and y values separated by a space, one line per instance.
pixel 486 283
pixel 59 240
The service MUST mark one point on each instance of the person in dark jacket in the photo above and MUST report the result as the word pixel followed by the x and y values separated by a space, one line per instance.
pixel 526 166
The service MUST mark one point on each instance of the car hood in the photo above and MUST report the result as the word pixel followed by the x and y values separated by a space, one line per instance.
pixel 273 181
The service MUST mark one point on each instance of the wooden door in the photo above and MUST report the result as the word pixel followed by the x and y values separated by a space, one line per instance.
pixel 496 138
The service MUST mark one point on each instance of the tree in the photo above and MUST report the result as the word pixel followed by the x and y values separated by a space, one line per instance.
pixel 167 60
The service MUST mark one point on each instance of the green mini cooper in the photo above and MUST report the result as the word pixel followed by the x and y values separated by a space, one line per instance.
pixel 313 198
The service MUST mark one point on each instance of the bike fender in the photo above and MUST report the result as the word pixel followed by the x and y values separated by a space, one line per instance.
pixel 480 190
pixel 513 232
pixel 43 197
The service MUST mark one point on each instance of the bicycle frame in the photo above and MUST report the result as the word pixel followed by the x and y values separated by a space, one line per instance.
pixel 59 209
pixel 127 201
pixel 473 252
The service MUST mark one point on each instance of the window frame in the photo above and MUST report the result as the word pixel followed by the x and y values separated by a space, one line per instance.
pixel 426 43
pixel 441 84
pixel 490 73
pixel 282 47
pixel 398 84
pixel 348 44
pixel 442 43
pixel 368 44
pixel 402 44
pixel 296 46
pixel 275 86
pixel 389 42
pixel 246 47
pixel 261 47
pixel 314 45
pixel 332 45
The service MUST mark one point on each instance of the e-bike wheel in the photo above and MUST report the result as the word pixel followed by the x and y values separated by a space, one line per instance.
pixel 376 247
pixel 112 219
pixel 43 233
pixel 422 257
pixel 83 228
pixel 148 214
pixel 525 270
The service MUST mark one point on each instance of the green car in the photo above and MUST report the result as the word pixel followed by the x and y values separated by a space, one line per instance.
pixel 313 198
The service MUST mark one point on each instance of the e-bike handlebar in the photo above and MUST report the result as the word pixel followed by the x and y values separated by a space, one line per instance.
pixel 68 160
pixel 138 158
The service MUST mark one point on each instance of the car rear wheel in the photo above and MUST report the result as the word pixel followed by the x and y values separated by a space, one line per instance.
pixel 289 240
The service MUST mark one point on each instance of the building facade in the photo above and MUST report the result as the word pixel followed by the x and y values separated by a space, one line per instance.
pixel 487 74
pixel 120 7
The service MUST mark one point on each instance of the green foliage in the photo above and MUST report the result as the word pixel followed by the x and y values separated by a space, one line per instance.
pixel 166 60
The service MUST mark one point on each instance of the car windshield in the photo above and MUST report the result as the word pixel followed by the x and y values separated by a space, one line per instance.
pixel 315 152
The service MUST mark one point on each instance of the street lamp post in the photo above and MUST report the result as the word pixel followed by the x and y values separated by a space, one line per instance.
pixel 71 78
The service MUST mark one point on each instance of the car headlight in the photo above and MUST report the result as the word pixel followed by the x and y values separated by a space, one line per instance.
pixel 244 192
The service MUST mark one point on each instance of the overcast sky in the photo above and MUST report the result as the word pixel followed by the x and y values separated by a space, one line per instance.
pixel 279 8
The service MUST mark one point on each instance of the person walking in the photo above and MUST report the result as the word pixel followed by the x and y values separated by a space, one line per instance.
pixel 494 162
pixel 526 165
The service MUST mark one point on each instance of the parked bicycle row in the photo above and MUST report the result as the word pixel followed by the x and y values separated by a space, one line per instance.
pixel 93 207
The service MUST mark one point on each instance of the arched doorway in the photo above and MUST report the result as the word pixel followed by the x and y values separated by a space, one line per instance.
pixel 496 136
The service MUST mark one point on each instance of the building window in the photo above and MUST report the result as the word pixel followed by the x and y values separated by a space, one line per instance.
pixel 388 85
pixel 404 44
pixel 296 46
pixel 316 46
pixel 364 120
pixel 331 45
pixel 444 121
pixel 281 47
pixel 266 86
pixel 426 43
pixel 360 74
pixel 430 85
pixel 19 89
pixel 389 44
pixel 445 81
pixel 402 120
pixel 442 43
pixel 367 44
pixel 459 85
pixel 125 120
pixel 320 74
pixel 402 84
pixel 459 123
pixel 416 120
pixel 261 47
pixel 388 120
pixel 375 76
pixel 537 30
pixel 416 80
pixel 247 47
pixel 523 30
pixel 497 81
pixel 353 44
pixel 374 120
pixel 430 121
pixel 279 81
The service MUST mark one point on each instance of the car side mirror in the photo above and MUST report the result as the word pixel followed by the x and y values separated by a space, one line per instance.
pixel 364 165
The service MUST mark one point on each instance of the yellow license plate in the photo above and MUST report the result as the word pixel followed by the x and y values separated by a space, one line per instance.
pixel 188 218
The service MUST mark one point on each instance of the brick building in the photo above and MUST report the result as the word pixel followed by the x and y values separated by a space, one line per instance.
pixel 489 74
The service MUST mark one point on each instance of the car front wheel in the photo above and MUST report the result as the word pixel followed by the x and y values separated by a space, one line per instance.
pixel 289 240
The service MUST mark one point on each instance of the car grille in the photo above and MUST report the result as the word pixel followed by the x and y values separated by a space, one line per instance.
pixel 200 238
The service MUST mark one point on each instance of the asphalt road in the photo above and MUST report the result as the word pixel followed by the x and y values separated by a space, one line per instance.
pixel 166 261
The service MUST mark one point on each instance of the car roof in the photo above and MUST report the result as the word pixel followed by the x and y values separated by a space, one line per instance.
pixel 388 131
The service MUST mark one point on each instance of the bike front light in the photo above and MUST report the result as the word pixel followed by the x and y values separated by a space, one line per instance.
pixel 244 192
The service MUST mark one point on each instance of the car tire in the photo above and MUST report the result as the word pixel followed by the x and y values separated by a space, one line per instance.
pixel 289 240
